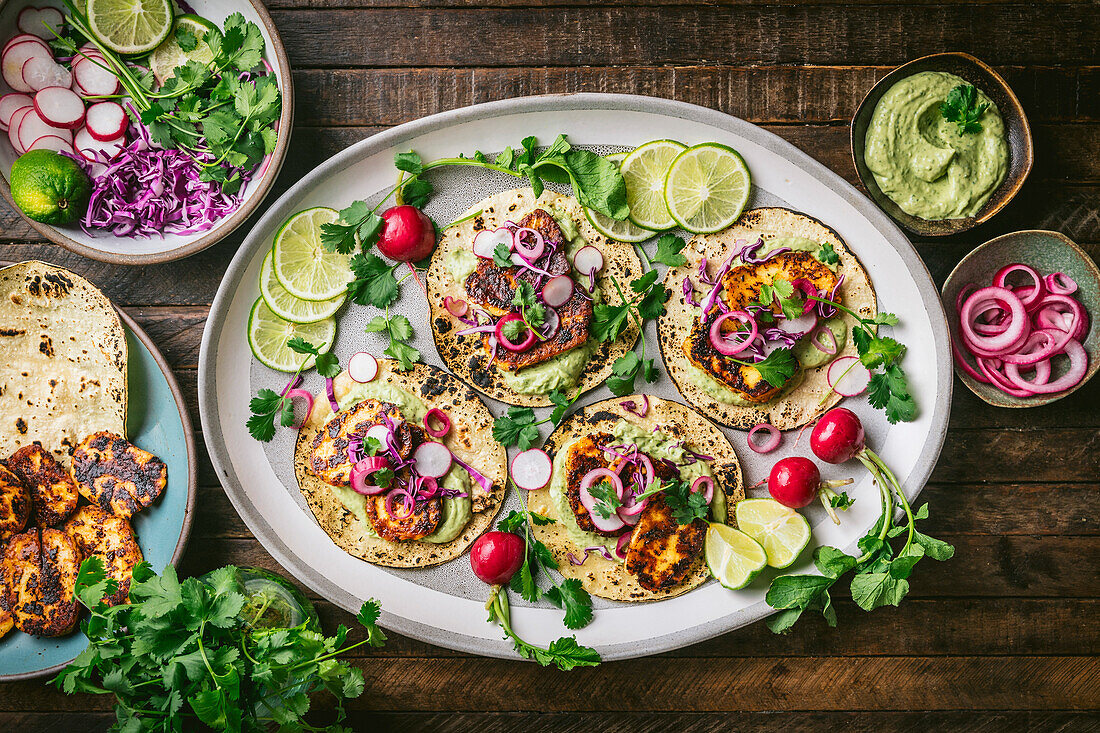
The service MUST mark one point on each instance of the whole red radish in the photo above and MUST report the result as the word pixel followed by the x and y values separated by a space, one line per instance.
pixel 794 482
pixel 838 436
pixel 408 235
pixel 496 556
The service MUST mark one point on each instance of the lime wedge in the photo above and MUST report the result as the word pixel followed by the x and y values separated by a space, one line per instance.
pixel 130 27
pixel 707 188
pixel 168 55
pixel 733 557
pixel 620 231
pixel 306 269
pixel 644 170
pixel 289 308
pixel 783 532
pixel 268 334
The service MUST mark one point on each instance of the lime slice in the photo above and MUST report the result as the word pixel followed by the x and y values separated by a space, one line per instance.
pixel 130 27
pixel 305 268
pixel 289 308
pixel 620 231
pixel 268 334
pixel 707 188
pixel 733 557
pixel 783 532
pixel 644 171
pixel 168 55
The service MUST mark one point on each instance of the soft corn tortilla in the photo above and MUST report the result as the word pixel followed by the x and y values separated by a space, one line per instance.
pixel 470 438
pixel 606 578
pixel 466 356
pixel 812 396
pixel 62 360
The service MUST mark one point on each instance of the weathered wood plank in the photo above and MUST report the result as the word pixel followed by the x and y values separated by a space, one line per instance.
pixel 796 34
pixel 759 94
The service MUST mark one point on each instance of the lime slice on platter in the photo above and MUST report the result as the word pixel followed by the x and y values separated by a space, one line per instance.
pixel 289 308
pixel 780 530
pixel 268 335
pixel 733 557
pixel 168 55
pixel 130 27
pixel 619 231
pixel 644 169
pixel 707 187
pixel 302 266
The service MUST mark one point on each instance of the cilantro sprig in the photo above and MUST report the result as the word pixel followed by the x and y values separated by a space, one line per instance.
pixel 399 331
pixel 686 505
pixel 519 427
pixel 647 301
pixel 268 404
pixel 962 107
pixel 185 654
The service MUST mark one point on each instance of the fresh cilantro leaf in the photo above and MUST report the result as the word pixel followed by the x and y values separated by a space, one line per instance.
pixel 776 369
pixel 515 521
pixel 652 304
pixel 185 38
pixel 571 596
pixel 962 107
pixel 841 501
pixel 644 283
pixel 890 390
pixel 881 351
pixel 374 282
pixel 607 501
pixel 514 331
pixel 409 162
pixel 566 654
pixel 624 371
pixel 416 192
pixel 608 320
pixel 686 505
pixel 561 404
pixel 399 331
pixel 502 256
pixel 524 295
pixel 827 254
pixel 516 427
pixel 670 251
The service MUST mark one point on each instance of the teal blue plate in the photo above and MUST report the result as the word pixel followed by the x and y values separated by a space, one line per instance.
pixel 158 422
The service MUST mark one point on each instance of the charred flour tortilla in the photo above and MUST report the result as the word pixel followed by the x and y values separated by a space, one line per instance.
pixel 470 438
pixel 466 356
pixel 798 404
pixel 62 360
pixel 606 578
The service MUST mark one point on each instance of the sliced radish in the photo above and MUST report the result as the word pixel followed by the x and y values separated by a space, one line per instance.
pixel 362 367
pixel 432 459
pixel 60 107
pixel 33 127
pixel 16 56
pixel 51 142
pixel 92 78
pixel 532 469
pixel 557 291
pixel 41 73
pixel 848 377
pixel 610 524
pixel 88 146
pixel 38 21
pixel 486 241
pixel 381 433
pixel 13 128
pixel 588 260
pixel 9 103
pixel 24 38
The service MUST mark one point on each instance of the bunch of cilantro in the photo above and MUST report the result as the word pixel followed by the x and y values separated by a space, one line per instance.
pixel 180 653
pixel 221 113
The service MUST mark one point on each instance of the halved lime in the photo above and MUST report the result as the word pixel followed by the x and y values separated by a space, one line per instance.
pixel 620 231
pixel 707 188
pixel 644 170
pixel 733 557
pixel 168 55
pixel 305 268
pixel 268 334
pixel 130 27
pixel 783 532
pixel 289 308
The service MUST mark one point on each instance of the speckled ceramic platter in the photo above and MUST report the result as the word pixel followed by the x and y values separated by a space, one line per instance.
pixel 445 605
pixel 157 421
pixel 1047 252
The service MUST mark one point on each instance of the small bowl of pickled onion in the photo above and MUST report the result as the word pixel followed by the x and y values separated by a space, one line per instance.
pixel 1022 311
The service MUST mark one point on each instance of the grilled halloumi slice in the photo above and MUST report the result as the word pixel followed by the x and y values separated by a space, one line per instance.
pixel 328 458
pixel 662 552
pixel 37 577
pixel 418 524
pixel 111 539
pixel 585 454
pixel 741 287
pixel 7 623
pixel 115 474
pixel 15 508
pixel 53 491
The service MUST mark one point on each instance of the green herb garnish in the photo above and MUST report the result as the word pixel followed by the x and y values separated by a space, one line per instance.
pixel 670 251
pixel 827 254
pixel 646 302
pixel 776 369
pixel 518 425
pixel 267 404
pixel 962 108
pixel 399 330
pixel 607 501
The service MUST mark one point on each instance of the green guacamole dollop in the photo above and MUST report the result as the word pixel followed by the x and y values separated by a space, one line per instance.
pixel 921 160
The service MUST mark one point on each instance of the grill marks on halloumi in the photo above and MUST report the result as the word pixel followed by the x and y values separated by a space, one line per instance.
pixel 585 455
pixel 418 524
pixel 111 539
pixel 740 288
pixel 662 552
pixel 53 491
pixel 37 578
pixel 15 510
pixel 328 458
pixel 117 475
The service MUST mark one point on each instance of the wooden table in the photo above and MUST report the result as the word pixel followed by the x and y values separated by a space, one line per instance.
pixel 1003 637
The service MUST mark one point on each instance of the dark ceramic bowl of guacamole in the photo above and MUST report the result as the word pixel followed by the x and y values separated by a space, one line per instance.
pixel 1017 135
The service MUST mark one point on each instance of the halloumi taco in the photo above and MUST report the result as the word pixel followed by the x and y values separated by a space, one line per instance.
pixel 512 293
pixel 635 482
pixel 744 295
pixel 406 473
